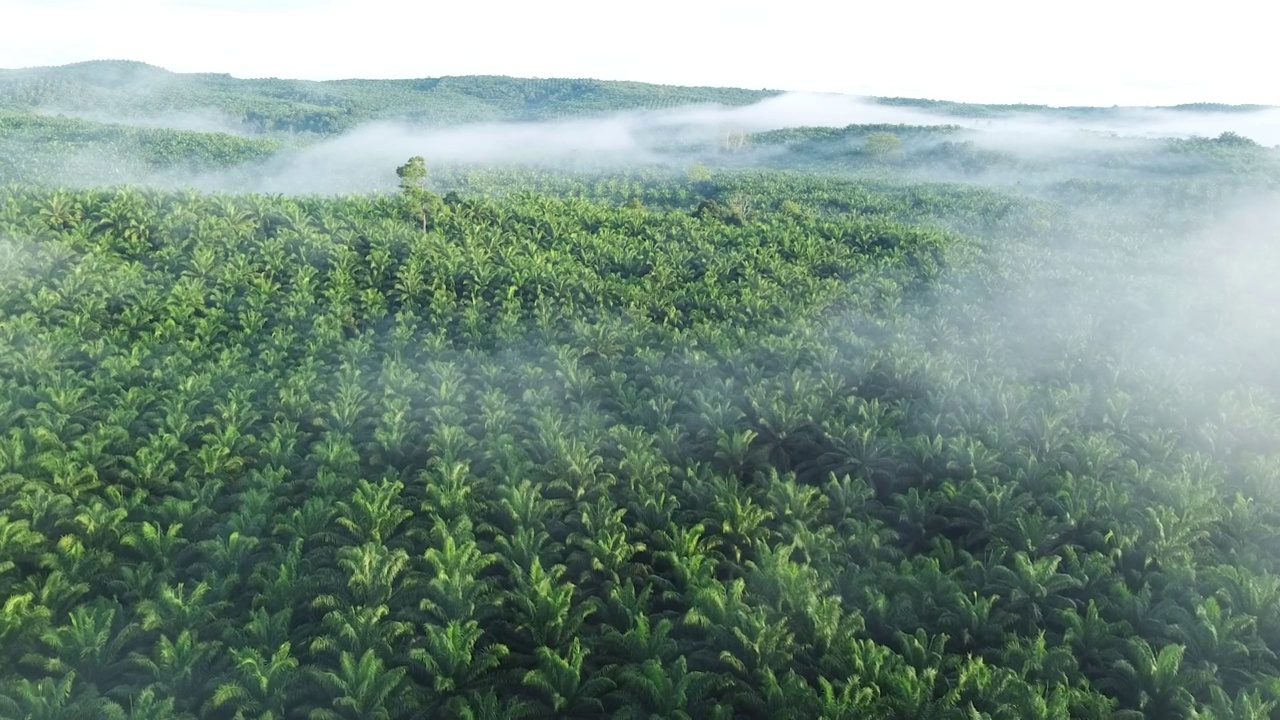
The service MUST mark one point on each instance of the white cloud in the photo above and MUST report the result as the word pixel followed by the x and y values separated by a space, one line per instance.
pixel 1082 52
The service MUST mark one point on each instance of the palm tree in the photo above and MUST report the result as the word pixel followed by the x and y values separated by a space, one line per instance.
pixel 456 589
pixel 669 692
pixel 1032 587
pixel 1035 660
pixel 144 706
pixel 975 622
pixel 605 541
pixel 449 488
pixel 488 706
pixel 1246 706
pixel 374 513
pixel 185 666
pixel 770 696
pixel 45 699
pixel 373 573
pixel 737 452
pixel 559 681
pixel 361 689
pixel 451 660
pixel 60 210
pixel 18 543
pixel 264 628
pixel 1094 640
pixel 545 613
pixel 693 556
pixel 94 643
pixel 176 609
pixel 743 522
pixel 358 628
pixel 1223 643
pixel 1155 683
pixel 265 687
pixel 748 639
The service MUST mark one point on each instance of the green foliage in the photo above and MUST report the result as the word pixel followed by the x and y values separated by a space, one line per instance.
pixel 882 146
pixel 39 148
pixel 129 89
pixel 741 444
pixel 413 179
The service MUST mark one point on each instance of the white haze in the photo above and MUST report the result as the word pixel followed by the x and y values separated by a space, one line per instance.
pixel 1229 304
pixel 362 159
pixel 1047 131
pixel 1197 304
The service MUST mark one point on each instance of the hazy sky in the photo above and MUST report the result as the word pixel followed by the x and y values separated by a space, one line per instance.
pixel 1100 52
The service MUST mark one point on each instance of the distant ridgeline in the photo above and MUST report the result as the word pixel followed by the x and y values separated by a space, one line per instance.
pixel 124 89
pixel 977 110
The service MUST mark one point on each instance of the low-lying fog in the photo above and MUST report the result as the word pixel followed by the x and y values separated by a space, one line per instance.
pixel 363 159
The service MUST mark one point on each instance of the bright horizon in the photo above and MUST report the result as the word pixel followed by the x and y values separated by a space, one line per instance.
pixel 1086 53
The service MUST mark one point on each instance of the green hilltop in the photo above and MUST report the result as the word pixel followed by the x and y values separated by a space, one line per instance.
pixel 123 88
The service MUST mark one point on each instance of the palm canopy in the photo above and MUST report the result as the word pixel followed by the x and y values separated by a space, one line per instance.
pixel 561 453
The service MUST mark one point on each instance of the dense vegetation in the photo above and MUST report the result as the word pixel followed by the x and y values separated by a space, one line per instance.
pixel 947 152
pixel 705 443
pixel 132 89
pixel 120 88
pixel 52 149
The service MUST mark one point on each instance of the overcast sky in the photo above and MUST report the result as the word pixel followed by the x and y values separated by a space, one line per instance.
pixel 1097 52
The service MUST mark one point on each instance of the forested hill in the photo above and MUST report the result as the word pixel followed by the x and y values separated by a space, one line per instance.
pixel 124 88
pixel 129 90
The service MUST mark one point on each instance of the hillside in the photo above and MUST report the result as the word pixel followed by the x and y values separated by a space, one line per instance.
pixel 127 89
pixel 121 89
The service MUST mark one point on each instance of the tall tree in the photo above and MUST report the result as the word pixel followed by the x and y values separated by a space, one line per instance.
pixel 413 181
